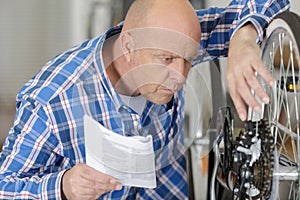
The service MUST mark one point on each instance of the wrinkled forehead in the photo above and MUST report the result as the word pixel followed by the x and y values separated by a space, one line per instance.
pixel 166 40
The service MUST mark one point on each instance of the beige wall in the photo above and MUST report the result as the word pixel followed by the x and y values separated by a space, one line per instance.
pixel 31 33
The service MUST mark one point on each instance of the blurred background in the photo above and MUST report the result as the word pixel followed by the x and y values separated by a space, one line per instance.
pixel 34 31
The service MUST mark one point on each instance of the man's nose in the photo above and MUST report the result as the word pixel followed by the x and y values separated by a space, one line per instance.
pixel 178 70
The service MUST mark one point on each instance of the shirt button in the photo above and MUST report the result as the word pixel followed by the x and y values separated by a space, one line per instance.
pixel 135 123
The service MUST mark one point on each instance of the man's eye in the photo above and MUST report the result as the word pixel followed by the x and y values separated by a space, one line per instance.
pixel 166 59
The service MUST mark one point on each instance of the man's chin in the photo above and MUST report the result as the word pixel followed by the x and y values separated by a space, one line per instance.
pixel 161 101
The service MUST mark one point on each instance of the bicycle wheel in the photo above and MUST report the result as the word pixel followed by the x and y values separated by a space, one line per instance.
pixel 280 54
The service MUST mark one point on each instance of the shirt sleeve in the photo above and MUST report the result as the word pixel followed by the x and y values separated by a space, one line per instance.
pixel 218 25
pixel 29 160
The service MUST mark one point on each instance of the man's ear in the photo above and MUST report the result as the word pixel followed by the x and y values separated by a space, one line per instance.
pixel 127 45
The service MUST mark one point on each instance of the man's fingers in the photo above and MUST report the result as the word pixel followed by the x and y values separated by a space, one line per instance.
pixel 258 66
pixel 240 108
pixel 247 96
pixel 237 100
pixel 101 180
pixel 256 86
pixel 113 185
pixel 240 93
pixel 242 81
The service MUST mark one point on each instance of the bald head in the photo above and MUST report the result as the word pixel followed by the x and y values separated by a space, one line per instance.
pixel 177 15
pixel 138 13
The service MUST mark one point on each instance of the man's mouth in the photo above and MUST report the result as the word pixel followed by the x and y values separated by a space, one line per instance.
pixel 168 90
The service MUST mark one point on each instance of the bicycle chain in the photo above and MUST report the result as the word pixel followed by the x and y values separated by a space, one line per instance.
pixel 253 161
pixel 248 161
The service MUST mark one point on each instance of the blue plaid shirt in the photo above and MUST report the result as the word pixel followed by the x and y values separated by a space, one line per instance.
pixel 47 136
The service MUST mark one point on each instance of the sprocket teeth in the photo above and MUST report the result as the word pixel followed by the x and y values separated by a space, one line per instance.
pixel 263 167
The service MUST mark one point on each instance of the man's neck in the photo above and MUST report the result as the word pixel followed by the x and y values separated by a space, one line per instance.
pixel 117 67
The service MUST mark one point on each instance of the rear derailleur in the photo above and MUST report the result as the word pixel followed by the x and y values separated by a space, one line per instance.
pixel 246 162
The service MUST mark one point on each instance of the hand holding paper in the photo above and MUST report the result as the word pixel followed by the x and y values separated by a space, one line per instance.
pixel 84 182
pixel 130 160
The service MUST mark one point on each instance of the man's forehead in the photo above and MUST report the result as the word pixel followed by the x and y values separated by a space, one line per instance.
pixel 165 40
pixel 164 52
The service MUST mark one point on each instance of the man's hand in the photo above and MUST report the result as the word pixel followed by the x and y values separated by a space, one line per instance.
pixel 84 182
pixel 243 61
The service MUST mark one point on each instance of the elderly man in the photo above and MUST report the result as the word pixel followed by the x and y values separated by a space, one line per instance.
pixel 130 80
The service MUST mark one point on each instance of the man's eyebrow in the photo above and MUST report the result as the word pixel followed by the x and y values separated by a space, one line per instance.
pixel 189 56
pixel 161 53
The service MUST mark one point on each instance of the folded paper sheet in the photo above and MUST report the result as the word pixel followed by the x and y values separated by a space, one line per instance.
pixel 129 159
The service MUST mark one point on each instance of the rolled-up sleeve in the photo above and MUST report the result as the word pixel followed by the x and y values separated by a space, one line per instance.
pixel 260 13
pixel 218 25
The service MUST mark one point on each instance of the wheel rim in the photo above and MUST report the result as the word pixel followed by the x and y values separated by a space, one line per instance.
pixel 281 57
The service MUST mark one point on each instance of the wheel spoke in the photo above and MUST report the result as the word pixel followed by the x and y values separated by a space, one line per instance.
pixel 281 56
